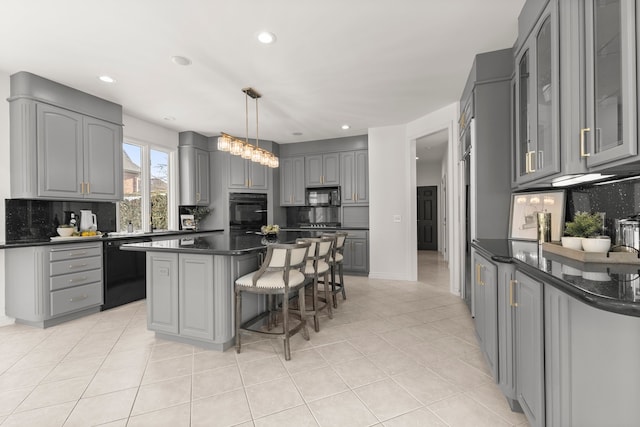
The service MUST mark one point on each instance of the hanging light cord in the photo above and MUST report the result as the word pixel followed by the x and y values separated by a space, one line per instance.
pixel 246 113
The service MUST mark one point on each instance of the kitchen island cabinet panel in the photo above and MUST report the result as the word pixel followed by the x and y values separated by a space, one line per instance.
pixel 196 296
pixel 162 292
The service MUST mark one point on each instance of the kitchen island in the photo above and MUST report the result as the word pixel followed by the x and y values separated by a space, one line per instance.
pixel 190 295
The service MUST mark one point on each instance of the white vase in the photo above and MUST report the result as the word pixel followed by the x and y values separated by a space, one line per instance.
pixel 572 242
pixel 596 244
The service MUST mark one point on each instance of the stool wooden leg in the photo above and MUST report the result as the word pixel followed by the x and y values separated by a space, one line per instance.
pixel 328 295
pixel 344 294
pixel 238 318
pixel 316 320
pixel 333 286
pixel 303 314
pixel 285 323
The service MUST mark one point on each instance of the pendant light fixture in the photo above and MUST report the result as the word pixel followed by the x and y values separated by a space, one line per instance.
pixel 245 149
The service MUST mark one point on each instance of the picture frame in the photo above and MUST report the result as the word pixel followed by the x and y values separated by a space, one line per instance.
pixel 523 214
pixel 187 222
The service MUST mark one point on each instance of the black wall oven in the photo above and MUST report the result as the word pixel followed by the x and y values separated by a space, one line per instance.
pixel 247 211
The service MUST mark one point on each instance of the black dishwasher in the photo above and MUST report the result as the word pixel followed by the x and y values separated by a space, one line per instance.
pixel 124 273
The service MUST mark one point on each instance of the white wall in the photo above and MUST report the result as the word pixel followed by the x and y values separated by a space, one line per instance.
pixel 5 189
pixel 428 173
pixel 392 183
pixel 142 131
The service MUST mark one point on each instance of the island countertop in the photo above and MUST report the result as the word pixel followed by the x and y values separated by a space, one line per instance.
pixel 219 243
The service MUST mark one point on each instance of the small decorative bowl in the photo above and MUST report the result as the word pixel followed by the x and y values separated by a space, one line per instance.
pixel 65 231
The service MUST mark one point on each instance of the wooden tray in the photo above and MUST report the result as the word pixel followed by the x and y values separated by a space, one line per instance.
pixel 582 256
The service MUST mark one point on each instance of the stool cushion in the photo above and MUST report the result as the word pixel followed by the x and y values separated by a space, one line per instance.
pixel 339 258
pixel 322 267
pixel 271 279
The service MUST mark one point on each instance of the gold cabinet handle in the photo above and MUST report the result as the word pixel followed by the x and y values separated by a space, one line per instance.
pixel 530 154
pixel 197 197
pixel 512 283
pixel 88 187
pixel 79 279
pixel 82 188
pixel 478 274
pixel 79 298
pixel 583 151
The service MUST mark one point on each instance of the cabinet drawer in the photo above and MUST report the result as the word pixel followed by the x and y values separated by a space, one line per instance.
pixel 74 299
pixel 75 252
pixel 75 279
pixel 356 234
pixel 75 265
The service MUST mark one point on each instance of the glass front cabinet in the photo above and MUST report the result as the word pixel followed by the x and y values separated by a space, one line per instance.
pixel 608 131
pixel 536 98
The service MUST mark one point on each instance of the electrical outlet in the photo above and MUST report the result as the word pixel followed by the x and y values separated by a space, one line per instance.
pixel 397 218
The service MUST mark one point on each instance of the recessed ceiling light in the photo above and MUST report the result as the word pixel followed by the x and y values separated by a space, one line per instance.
pixel 181 60
pixel 266 37
pixel 169 118
pixel 107 79
pixel 297 133
pixel 345 127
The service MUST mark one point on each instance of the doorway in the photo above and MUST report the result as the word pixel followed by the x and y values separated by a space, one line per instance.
pixel 427 218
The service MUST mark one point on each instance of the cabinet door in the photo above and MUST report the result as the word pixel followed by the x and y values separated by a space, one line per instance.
pixel 60 158
pixel 237 172
pixel 298 182
pixel 530 348
pixel 506 332
pixel 347 177
pixel 331 169
pixel 202 185
pixel 361 177
pixel 196 296
pixel 102 160
pixel 537 111
pixel 257 175
pixel 356 255
pixel 162 292
pixel 292 183
pixel 313 170
pixel 486 309
pixel 610 70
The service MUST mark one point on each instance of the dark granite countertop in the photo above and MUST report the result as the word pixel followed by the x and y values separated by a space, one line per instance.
pixel 219 243
pixel 611 287
pixel 329 229
pixel 106 236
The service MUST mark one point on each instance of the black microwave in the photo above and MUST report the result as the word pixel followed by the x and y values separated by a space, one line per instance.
pixel 323 196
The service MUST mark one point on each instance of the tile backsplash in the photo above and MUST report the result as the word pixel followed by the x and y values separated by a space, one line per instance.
pixel 33 220
pixel 617 200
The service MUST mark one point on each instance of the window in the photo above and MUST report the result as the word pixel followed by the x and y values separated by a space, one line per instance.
pixel 146 175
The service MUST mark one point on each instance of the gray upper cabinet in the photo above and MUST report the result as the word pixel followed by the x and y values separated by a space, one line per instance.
pixel 79 157
pixel 354 177
pixel 322 170
pixel 246 174
pixel 485 290
pixel 537 146
pixel 58 152
pixel 609 130
pixel 292 181
pixel 530 348
pixel 194 176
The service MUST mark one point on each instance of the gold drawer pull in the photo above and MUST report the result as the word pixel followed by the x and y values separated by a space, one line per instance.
pixel 77 266
pixel 80 298
pixel 583 151
pixel 512 303
pixel 80 279
pixel 78 253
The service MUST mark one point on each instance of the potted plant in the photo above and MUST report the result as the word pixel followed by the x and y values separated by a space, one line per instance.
pixel 584 233
pixel 199 213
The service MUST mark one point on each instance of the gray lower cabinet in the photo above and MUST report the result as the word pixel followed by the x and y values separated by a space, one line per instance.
pixel 356 252
pixel 529 345
pixel 591 363
pixel 58 153
pixel 485 290
pixel 507 334
pixel 292 189
pixel 47 285
pixel 247 174
pixel 354 177
pixel 194 176
pixel 190 296
pixel 322 170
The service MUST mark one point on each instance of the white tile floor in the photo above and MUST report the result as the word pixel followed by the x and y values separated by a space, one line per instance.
pixel 395 354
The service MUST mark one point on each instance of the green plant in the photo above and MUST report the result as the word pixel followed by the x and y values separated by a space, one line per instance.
pixel 199 212
pixel 584 224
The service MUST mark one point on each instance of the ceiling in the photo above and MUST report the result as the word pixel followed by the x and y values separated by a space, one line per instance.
pixel 366 63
